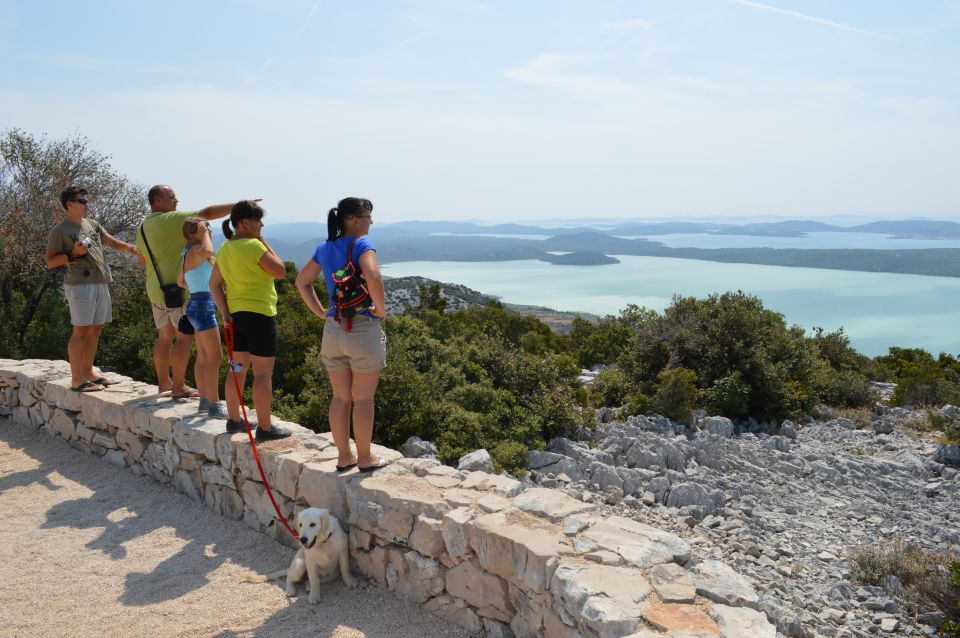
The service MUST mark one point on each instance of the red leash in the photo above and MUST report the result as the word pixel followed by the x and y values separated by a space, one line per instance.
pixel 228 338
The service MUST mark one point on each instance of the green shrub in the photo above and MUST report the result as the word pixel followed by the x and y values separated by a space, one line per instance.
pixel 509 456
pixel 723 335
pixel 609 389
pixel 729 397
pixel 676 393
pixel 638 404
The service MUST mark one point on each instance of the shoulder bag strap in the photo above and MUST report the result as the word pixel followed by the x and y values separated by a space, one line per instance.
pixel 156 270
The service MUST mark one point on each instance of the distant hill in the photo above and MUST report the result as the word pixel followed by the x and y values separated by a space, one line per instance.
pixel 404 292
pixel 924 229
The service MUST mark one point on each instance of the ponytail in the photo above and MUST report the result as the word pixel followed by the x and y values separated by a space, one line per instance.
pixel 346 208
pixel 334 224
pixel 226 228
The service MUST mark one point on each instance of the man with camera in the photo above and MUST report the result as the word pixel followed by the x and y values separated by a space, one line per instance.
pixel 77 243
pixel 160 242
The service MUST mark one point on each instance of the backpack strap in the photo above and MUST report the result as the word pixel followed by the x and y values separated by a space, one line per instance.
pixel 336 312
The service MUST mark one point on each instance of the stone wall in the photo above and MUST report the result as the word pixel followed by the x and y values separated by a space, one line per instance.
pixel 475 548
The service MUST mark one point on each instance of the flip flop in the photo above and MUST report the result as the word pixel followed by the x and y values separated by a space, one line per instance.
pixel 88 386
pixel 370 468
pixel 105 382
pixel 344 468
pixel 189 393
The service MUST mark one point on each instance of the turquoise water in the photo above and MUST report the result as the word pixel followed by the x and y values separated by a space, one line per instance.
pixel 876 310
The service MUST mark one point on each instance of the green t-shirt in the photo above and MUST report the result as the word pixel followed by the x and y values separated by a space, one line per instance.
pixel 91 268
pixel 165 234
pixel 249 288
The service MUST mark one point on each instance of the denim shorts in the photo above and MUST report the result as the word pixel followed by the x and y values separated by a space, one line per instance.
pixel 201 311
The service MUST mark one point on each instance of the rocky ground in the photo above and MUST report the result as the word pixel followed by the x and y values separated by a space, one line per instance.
pixel 784 509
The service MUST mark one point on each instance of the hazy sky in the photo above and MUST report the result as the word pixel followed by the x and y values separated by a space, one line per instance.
pixel 506 110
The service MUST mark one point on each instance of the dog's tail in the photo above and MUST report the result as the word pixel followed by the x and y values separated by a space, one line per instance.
pixel 254 577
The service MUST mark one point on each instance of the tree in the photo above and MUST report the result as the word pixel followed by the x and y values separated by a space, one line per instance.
pixel 33 172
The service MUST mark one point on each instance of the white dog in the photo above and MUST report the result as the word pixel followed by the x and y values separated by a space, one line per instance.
pixel 323 550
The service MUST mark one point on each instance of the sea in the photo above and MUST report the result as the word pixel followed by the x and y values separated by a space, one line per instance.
pixel 875 310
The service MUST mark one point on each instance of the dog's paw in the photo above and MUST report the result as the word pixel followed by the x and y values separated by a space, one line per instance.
pixel 350 583
pixel 314 598
pixel 291 591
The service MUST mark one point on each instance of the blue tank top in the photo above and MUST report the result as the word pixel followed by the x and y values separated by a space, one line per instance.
pixel 198 279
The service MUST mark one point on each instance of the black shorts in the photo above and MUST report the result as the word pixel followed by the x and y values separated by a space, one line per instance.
pixel 255 333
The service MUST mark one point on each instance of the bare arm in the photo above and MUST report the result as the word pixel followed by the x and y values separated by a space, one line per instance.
pixel 371 272
pixel 56 259
pixel 305 278
pixel 216 291
pixel 216 211
pixel 271 262
pixel 116 244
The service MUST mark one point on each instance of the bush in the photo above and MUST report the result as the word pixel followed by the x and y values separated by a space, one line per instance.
pixel 729 397
pixel 610 388
pixel 931 580
pixel 638 404
pixel 676 393
pixel 509 456
pixel 724 336
pixel 951 628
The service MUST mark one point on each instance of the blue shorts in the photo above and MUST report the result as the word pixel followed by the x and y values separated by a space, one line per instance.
pixel 201 311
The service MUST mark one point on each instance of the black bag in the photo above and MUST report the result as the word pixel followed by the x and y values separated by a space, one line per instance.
pixel 172 293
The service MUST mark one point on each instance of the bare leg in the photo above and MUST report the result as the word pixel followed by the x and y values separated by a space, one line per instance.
pixel 75 351
pixel 263 389
pixel 363 388
pixel 90 342
pixel 209 356
pixel 229 389
pixel 180 359
pixel 339 415
pixel 161 356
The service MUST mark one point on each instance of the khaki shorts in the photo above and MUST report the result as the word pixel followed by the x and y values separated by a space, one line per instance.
pixel 90 304
pixel 363 349
pixel 163 315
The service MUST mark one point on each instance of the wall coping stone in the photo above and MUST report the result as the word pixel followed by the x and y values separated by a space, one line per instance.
pixel 473 547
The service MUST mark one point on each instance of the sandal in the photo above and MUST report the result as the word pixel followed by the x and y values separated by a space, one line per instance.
pixel 189 393
pixel 344 468
pixel 87 386
pixel 370 468
pixel 105 382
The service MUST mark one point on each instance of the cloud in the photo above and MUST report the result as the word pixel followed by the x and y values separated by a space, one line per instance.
pixel 554 70
pixel 807 18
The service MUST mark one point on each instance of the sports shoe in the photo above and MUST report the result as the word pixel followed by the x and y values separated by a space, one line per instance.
pixel 204 404
pixel 274 433
pixel 237 426
pixel 217 410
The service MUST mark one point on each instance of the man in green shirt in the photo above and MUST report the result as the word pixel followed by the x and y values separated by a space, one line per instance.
pixel 77 243
pixel 163 229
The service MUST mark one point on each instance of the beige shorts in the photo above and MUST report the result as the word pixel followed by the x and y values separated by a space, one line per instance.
pixel 163 315
pixel 363 349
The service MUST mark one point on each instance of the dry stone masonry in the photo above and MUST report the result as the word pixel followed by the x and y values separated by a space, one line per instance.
pixel 476 548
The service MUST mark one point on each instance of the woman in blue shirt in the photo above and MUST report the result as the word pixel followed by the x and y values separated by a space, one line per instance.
pixel 195 268
pixel 354 349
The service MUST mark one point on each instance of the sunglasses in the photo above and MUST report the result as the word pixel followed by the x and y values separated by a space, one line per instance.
pixel 82 200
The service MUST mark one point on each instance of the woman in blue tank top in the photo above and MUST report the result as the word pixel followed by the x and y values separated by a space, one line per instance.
pixel 195 268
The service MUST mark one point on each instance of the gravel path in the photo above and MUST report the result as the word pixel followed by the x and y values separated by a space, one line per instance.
pixel 87 549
